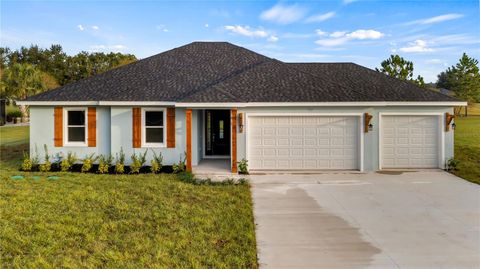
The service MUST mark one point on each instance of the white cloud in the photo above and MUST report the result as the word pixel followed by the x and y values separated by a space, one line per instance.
pixel 272 38
pixel 417 46
pixel 80 27
pixel 246 31
pixel 342 37
pixel 365 34
pixel 206 25
pixel 95 27
pixel 320 32
pixel 437 19
pixel 320 17
pixel 107 48
pixel 338 34
pixel 162 27
pixel 283 14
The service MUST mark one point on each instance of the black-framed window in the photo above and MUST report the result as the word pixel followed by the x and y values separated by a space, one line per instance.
pixel 76 126
pixel 154 126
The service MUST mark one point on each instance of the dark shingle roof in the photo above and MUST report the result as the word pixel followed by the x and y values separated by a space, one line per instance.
pixel 223 72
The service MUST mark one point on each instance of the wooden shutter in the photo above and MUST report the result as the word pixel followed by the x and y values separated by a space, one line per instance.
pixel 92 127
pixel 170 127
pixel 188 113
pixel 58 127
pixel 233 123
pixel 137 127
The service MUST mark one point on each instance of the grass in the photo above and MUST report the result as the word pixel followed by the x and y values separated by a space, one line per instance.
pixel 120 221
pixel 14 135
pixel 467 148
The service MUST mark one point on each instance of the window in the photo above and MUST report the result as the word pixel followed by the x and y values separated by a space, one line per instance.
pixel 153 133
pixel 76 127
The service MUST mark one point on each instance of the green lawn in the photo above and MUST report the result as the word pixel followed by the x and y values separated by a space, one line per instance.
pixel 467 148
pixel 114 221
pixel 14 135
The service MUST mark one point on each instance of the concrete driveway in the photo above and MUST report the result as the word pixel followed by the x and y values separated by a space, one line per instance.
pixel 426 219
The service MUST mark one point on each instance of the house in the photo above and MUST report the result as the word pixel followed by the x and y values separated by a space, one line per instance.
pixel 219 100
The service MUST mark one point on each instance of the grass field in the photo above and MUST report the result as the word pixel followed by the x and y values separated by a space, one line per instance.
pixel 467 148
pixel 120 221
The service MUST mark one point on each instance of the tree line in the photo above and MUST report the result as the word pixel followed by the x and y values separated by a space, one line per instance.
pixel 462 79
pixel 31 70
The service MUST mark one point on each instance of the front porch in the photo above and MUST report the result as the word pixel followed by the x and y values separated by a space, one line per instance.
pixel 211 141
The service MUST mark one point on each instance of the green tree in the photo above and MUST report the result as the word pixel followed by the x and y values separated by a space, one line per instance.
pixel 21 81
pixel 398 67
pixel 463 79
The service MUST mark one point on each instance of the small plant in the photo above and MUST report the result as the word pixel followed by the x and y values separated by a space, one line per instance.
pixel 243 166
pixel 180 166
pixel 27 162
pixel 156 162
pixel 452 164
pixel 120 162
pixel 137 162
pixel 67 163
pixel 47 165
pixel 104 163
pixel 88 162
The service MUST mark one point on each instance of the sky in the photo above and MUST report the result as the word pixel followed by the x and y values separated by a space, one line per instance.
pixel 431 34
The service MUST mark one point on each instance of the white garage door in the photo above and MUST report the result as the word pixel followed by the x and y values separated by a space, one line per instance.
pixel 410 141
pixel 303 142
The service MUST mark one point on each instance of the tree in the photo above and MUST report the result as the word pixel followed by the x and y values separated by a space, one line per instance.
pixel 21 81
pixel 463 79
pixel 398 67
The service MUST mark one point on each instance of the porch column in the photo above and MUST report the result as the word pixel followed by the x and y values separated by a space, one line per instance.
pixel 188 113
pixel 233 123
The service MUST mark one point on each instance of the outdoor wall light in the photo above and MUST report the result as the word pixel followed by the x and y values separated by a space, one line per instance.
pixel 368 126
pixel 448 119
pixel 240 122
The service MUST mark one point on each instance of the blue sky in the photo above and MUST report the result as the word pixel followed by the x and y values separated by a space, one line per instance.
pixel 432 34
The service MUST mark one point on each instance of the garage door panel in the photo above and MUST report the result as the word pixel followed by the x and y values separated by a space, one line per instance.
pixel 303 142
pixel 410 141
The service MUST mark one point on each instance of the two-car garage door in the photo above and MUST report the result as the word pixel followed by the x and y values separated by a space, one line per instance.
pixel 303 142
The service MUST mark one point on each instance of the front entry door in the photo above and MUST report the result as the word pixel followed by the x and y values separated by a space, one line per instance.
pixel 217 132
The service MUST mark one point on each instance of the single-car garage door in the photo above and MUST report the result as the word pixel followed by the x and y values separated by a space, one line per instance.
pixel 303 142
pixel 410 141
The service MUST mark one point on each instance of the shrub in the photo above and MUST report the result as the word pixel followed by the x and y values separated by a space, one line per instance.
pixel 120 162
pixel 67 163
pixel 137 162
pixel 243 166
pixel 88 162
pixel 180 167
pixel 27 162
pixel 156 163
pixel 104 163
pixel 14 114
pixel 47 165
pixel 452 164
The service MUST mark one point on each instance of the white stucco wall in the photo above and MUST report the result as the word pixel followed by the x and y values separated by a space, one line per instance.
pixel 42 133
pixel 114 131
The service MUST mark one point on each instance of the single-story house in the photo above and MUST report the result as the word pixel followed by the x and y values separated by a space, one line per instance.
pixel 219 100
